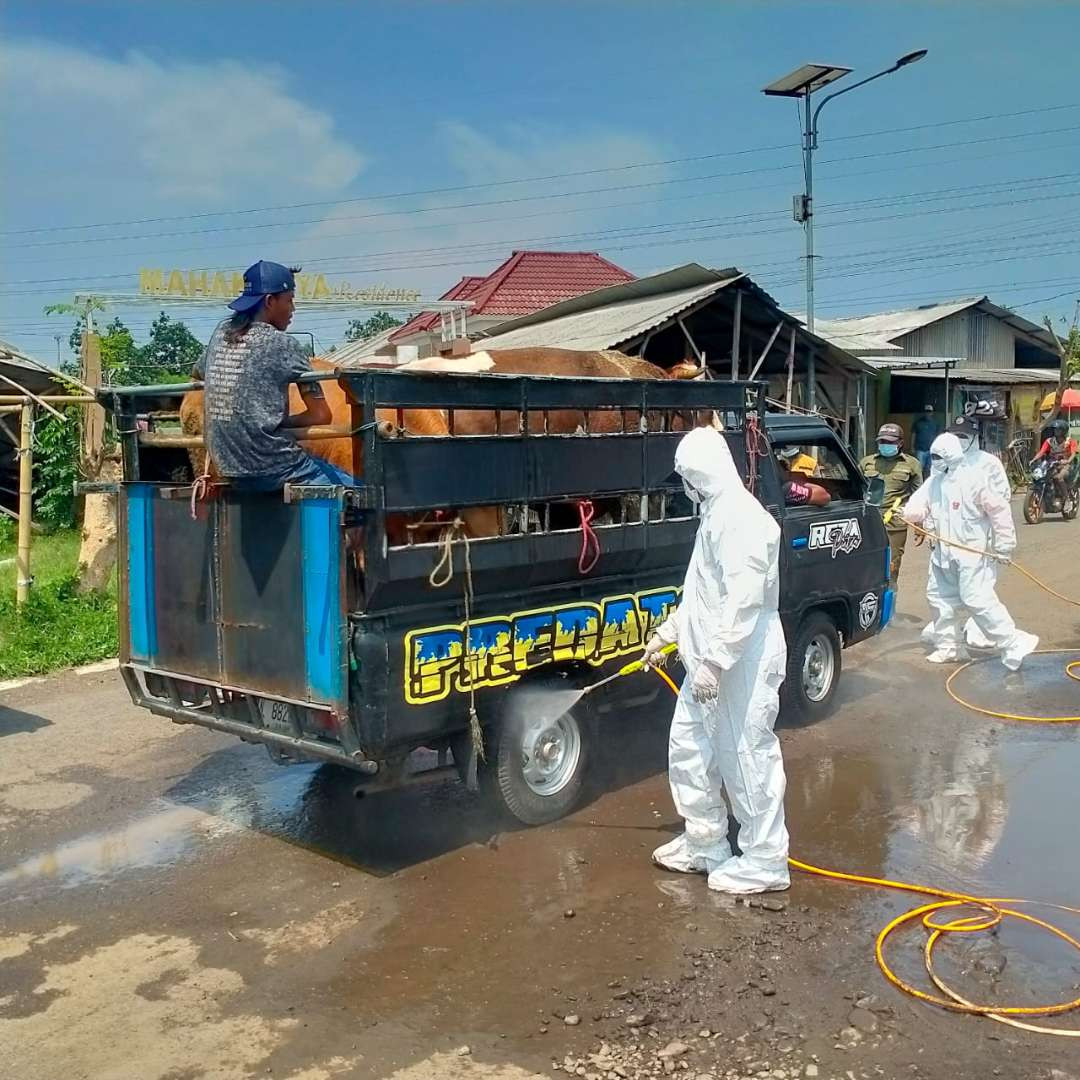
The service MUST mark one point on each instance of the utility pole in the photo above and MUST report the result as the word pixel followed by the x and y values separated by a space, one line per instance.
pixel 802 82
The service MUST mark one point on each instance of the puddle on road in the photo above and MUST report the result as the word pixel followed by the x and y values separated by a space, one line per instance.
pixel 238 790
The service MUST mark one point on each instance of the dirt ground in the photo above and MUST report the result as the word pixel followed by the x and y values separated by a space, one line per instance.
pixel 173 906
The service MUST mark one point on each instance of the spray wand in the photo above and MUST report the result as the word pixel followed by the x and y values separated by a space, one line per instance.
pixel 626 669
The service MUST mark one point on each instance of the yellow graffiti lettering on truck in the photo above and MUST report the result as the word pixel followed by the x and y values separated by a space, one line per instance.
pixel 495 651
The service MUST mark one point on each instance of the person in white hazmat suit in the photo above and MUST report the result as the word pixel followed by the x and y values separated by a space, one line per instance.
pixel 967 431
pixel 958 504
pixel 727 628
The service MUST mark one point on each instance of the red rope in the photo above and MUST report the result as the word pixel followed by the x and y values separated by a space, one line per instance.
pixel 590 542
pixel 757 445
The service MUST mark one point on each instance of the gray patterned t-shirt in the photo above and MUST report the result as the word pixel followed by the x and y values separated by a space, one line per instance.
pixel 246 398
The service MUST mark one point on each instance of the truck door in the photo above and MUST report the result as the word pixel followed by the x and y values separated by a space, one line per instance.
pixel 836 553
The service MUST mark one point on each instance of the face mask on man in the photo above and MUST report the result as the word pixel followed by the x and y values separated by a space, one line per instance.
pixel 966 442
pixel 692 493
pixel 938 467
pixel 888 449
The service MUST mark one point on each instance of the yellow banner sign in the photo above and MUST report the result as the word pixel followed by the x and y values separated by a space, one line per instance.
pixel 229 284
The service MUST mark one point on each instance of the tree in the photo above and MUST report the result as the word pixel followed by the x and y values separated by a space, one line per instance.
pixel 362 329
pixel 172 350
pixel 119 355
pixel 1069 352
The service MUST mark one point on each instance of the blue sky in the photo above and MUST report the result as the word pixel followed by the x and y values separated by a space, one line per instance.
pixel 118 112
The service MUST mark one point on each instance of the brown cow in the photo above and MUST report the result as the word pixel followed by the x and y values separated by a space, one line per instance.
pixel 481 521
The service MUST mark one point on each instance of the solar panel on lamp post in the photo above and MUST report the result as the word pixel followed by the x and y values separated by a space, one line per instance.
pixel 802 83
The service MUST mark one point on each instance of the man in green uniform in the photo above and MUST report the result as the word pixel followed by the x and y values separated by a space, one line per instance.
pixel 899 476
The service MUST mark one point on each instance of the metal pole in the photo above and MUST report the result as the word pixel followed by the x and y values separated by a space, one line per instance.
pixel 736 333
pixel 948 407
pixel 26 487
pixel 790 368
pixel 809 138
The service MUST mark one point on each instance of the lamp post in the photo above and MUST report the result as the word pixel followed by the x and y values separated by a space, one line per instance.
pixel 802 82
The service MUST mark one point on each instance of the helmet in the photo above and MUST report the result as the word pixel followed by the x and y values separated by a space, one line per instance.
pixel 1060 427
pixel 891 433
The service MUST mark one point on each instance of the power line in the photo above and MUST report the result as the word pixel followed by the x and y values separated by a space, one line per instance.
pixel 996 117
pixel 996 139
pixel 914 199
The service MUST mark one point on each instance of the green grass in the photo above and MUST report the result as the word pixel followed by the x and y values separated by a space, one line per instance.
pixel 57 628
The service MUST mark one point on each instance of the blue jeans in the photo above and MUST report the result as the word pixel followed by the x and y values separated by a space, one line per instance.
pixel 312 471
pixel 924 461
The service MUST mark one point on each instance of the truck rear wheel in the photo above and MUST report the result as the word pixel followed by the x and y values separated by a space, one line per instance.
pixel 813 670
pixel 536 763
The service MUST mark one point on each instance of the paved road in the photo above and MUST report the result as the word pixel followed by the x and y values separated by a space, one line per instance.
pixel 173 906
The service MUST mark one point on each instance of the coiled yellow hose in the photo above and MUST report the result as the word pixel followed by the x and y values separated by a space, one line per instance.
pixel 990 913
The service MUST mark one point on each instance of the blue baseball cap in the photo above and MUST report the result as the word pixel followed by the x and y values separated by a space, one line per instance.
pixel 260 281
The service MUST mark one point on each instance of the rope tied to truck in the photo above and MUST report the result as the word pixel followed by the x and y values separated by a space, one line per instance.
pixel 441 575
pixel 200 489
pixel 590 542
pixel 757 446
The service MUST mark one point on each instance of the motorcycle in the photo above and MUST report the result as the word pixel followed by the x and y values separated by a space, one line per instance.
pixel 1043 495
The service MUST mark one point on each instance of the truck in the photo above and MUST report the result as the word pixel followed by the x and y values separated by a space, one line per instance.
pixel 363 627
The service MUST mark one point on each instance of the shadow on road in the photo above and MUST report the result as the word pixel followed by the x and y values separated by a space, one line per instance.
pixel 16 722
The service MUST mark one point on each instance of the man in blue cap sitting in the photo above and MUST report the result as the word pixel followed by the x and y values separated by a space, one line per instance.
pixel 247 369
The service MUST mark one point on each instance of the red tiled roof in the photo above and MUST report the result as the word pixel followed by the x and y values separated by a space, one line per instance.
pixel 526 282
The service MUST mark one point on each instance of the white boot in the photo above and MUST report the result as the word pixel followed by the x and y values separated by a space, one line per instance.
pixel 685 857
pixel 741 876
pixel 975 637
pixel 949 654
pixel 1022 645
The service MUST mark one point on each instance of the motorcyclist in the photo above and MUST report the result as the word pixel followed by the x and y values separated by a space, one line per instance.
pixel 1061 449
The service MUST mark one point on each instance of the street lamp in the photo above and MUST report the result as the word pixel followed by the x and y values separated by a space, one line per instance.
pixel 802 82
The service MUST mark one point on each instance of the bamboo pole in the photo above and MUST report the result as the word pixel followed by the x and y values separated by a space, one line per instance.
pixel 33 397
pixel 57 399
pixel 26 487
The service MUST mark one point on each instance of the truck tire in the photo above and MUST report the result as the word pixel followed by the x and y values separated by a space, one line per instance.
pixel 813 670
pixel 535 765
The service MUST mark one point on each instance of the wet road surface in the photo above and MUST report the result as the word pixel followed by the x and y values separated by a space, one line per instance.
pixel 175 906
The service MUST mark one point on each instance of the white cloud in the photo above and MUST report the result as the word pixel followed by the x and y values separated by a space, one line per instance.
pixel 529 150
pixel 435 247
pixel 212 131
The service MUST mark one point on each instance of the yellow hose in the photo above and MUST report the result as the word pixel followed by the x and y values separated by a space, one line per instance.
pixel 1070 668
pixel 992 912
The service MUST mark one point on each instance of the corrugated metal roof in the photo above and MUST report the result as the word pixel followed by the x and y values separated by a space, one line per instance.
pixel 878 332
pixel 24 369
pixel 602 327
pixel 999 376
pixel 606 318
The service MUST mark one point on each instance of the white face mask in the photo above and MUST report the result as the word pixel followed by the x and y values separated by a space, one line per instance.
pixel 938 467
pixel 691 492
pixel 966 442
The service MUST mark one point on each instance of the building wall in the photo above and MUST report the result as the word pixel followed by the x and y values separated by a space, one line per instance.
pixel 981 339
